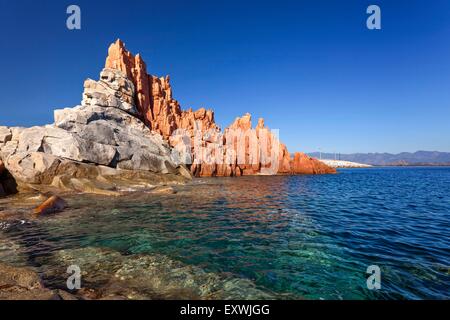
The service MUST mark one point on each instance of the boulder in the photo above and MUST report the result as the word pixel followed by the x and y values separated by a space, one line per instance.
pixel 23 277
pixel 164 190
pixel 33 167
pixel 107 274
pixel 53 204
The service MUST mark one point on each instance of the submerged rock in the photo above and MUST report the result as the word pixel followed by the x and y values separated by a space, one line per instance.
pixel 106 274
pixel 164 190
pixel 53 204
pixel 22 283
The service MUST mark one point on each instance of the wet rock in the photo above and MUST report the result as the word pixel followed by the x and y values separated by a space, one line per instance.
pixel 183 171
pixel 94 186
pixel 33 167
pixel 22 284
pixel 5 135
pixel 106 274
pixel 64 295
pixel 53 204
pixel 164 190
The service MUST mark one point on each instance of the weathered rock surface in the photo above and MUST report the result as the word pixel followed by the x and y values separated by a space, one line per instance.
pixel 261 152
pixel 5 135
pixel 25 284
pixel 129 125
pixel 147 277
pixel 303 164
pixel 22 284
pixel 113 89
pixel 95 147
pixel 7 183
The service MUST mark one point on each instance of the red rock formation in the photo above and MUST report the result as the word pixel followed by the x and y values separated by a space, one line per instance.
pixel 154 98
pixel 239 150
pixel 302 164
pixel 135 69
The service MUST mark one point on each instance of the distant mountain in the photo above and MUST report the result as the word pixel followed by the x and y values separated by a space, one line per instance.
pixel 386 159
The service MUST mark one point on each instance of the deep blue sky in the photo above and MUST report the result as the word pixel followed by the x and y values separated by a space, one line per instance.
pixel 311 68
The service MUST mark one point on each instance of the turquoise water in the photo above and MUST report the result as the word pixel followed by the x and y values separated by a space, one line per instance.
pixel 307 237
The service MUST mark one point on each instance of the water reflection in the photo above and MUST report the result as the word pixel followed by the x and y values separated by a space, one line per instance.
pixel 284 237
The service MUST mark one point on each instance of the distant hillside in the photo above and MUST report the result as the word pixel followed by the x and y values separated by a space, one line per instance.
pixel 386 159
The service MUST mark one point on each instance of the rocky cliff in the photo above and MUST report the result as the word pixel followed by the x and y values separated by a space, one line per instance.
pixel 130 131
pixel 100 146
pixel 238 150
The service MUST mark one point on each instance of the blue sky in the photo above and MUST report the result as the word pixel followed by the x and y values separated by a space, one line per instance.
pixel 311 68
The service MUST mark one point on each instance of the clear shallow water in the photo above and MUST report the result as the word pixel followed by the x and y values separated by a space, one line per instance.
pixel 290 236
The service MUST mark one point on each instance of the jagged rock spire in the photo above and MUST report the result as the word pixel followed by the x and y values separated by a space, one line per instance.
pixel 163 114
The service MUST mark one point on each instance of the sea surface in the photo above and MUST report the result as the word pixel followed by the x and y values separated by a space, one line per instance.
pixel 280 237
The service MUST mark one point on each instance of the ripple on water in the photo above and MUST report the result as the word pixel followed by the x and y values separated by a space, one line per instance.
pixel 282 237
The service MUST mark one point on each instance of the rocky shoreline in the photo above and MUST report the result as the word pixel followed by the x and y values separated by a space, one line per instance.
pixel 129 135
pixel 126 133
